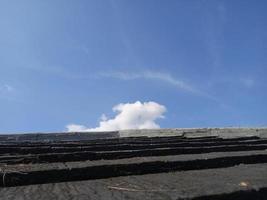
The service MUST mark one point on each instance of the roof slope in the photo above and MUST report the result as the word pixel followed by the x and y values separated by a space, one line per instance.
pixel 183 164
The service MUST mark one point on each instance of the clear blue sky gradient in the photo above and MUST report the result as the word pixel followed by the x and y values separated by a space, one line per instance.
pixel 60 60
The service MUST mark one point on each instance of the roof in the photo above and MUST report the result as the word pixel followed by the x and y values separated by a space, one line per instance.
pixel 157 164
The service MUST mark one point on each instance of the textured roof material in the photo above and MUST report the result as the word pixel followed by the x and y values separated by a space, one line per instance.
pixel 158 164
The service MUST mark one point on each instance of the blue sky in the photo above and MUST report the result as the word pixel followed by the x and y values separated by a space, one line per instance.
pixel 68 62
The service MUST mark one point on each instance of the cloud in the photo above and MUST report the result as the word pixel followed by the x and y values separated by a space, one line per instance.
pixel 247 82
pixel 163 77
pixel 136 115
pixel 8 92
pixel 76 127
pixel 7 88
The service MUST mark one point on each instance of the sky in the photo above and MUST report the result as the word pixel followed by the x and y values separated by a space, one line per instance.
pixel 118 64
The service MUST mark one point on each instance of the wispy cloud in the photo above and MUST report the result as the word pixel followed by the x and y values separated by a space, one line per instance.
pixel 6 88
pixel 136 115
pixel 237 81
pixel 165 77
pixel 213 29
pixel 160 76
pixel 247 82
pixel 7 92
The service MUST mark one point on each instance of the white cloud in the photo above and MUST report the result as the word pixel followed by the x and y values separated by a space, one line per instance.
pixel 129 116
pixel 76 127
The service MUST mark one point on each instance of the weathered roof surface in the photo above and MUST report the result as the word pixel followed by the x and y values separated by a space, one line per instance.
pixel 158 164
